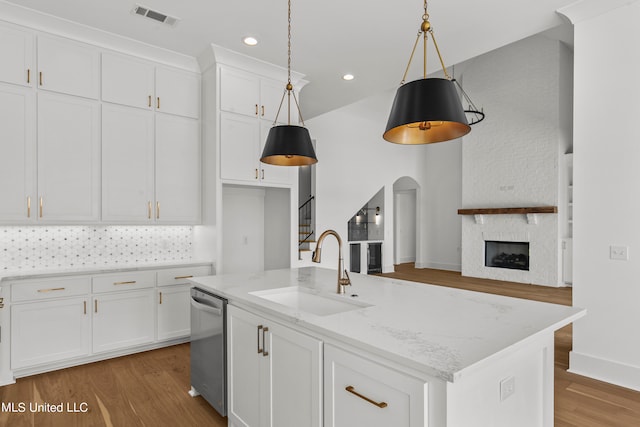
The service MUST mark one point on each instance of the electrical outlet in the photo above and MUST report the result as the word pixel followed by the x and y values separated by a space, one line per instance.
pixel 507 388
pixel 619 252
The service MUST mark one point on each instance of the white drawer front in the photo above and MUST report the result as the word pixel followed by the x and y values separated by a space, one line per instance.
pixel 181 275
pixel 33 290
pixel 124 281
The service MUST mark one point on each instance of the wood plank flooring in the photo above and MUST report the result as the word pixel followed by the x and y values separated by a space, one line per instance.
pixel 579 401
pixel 150 389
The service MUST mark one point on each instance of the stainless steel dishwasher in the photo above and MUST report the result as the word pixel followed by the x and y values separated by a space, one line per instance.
pixel 209 348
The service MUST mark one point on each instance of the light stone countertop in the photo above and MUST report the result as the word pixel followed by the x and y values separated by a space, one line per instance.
pixel 442 332
pixel 34 273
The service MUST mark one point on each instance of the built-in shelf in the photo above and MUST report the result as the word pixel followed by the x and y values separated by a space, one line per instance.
pixel 506 211
pixel 530 212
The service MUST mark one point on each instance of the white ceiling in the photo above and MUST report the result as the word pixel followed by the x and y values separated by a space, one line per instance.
pixel 370 39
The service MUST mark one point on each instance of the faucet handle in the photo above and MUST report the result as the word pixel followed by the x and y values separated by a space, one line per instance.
pixel 346 281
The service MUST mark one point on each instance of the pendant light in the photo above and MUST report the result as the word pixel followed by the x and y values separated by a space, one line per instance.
pixel 288 145
pixel 426 110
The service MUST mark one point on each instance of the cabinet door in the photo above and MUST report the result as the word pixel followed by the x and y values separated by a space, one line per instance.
pixel 271 174
pixel 123 320
pixel 178 170
pixel 177 92
pixel 359 392
pixel 239 92
pixel 16 51
pixel 295 378
pixel 174 316
pixel 68 67
pixel 271 92
pixel 246 404
pixel 239 145
pixel 127 81
pixel 49 331
pixel 127 164
pixel 17 154
pixel 68 158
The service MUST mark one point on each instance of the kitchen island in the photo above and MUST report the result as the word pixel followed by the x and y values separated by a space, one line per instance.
pixel 387 351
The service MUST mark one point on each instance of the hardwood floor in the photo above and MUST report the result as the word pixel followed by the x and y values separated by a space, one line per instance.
pixel 579 401
pixel 150 389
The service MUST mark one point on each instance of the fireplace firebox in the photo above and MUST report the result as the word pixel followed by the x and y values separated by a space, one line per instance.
pixel 513 255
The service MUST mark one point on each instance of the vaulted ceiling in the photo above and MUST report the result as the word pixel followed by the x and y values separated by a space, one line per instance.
pixel 369 39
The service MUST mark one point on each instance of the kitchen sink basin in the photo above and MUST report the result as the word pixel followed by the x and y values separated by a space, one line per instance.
pixel 308 301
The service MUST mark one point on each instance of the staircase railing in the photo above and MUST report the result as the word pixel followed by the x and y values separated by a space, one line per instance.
pixel 305 221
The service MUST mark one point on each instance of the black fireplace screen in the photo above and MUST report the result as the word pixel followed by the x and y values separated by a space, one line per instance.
pixel 514 255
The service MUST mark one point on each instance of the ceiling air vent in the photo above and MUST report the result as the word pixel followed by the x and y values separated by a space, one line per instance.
pixel 155 15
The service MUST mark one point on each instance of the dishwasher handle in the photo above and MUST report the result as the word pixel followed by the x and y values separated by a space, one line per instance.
pixel 205 307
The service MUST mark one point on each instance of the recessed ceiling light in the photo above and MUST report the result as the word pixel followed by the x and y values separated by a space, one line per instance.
pixel 348 77
pixel 250 41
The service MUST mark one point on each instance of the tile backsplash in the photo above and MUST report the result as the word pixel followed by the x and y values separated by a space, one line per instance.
pixel 45 247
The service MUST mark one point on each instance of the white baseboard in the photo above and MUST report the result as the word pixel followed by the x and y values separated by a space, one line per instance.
pixel 605 370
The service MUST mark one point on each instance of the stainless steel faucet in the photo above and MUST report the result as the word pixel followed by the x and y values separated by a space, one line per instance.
pixel 342 280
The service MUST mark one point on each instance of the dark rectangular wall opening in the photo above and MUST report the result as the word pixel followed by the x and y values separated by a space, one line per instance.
pixel 374 258
pixel 354 257
pixel 513 255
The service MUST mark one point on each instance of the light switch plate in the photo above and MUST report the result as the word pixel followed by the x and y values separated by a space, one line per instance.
pixel 507 387
pixel 619 252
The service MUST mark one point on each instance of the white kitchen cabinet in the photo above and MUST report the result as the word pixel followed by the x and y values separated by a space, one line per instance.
pixel 178 170
pixel 68 159
pixel 17 47
pixel 128 81
pixel 69 67
pixel 17 154
pixel 49 321
pixel 177 92
pixel 128 181
pixel 174 315
pixel 275 373
pixel 242 140
pixel 123 319
pixel 359 392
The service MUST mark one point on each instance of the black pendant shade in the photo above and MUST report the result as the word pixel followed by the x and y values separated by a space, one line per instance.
pixel 426 111
pixel 288 145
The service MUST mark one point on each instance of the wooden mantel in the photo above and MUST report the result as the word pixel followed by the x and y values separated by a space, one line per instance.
pixel 503 211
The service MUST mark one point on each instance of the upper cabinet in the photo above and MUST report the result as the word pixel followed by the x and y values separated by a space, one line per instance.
pixel 68 67
pixel 130 81
pixel 17 47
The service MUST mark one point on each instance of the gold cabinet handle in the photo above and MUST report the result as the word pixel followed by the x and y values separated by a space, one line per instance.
pixel 256 109
pixel 158 103
pixel 95 306
pixel 149 101
pixel 1 302
pixel 352 390
pixel 161 298
pixel 29 207
pixel 130 282
pixel 263 111
pixel 40 77
pixel 182 277
pixel 28 75
pixel 265 353
pixel 262 173
pixel 41 207
pixel 256 173
pixel 50 290
pixel 85 307
pixel 259 330
pixel 157 210
pixel 149 209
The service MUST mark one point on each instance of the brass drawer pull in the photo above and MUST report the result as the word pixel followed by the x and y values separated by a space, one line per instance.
pixel 130 282
pixel 259 329
pixel 158 105
pixel 149 101
pixel 85 307
pixel 28 75
pixel 29 207
pixel 352 390
pixel 256 109
pixel 157 210
pixel 40 207
pixel 40 78
pixel 182 277
pixel 263 111
pixel 265 353
pixel 160 298
pixel 50 290
pixel 95 306
pixel 149 210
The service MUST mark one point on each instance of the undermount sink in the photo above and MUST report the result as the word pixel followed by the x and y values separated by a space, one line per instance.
pixel 308 301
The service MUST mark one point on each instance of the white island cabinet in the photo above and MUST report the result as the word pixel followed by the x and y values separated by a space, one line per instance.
pixel 394 353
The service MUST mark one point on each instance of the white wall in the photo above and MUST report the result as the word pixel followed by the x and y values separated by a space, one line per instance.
pixel 354 162
pixel 606 202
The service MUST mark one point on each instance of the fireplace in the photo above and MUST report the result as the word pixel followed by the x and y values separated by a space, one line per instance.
pixel 512 255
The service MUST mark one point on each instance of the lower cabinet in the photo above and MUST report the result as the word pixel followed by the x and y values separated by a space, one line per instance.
pixel 122 320
pixel 275 372
pixel 359 392
pixel 49 331
pixel 174 315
